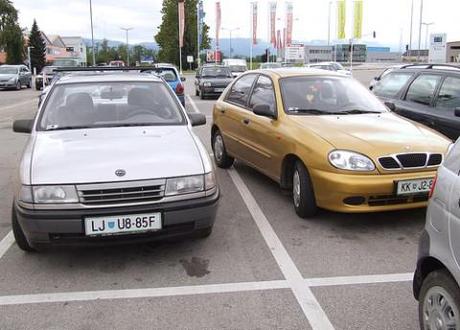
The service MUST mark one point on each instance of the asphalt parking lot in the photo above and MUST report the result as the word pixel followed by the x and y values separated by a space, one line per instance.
pixel 262 268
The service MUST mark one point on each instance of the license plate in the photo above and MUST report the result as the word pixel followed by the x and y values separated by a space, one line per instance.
pixel 119 224
pixel 408 187
pixel 219 90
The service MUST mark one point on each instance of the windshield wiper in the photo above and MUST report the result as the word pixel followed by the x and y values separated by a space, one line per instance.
pixel 60 128
pixel 314 111
pixel 357 111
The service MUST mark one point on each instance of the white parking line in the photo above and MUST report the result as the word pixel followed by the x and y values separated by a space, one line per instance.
pixel 194 107
pixel 310 306
pixel 12 106
pixel 6 243
pixel 363 279
pixel 142 293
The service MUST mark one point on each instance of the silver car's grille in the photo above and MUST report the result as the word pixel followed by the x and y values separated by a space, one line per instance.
pixel 121 192
pixel 410 161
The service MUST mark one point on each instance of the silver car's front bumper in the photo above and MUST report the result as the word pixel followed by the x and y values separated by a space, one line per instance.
pixel 66 227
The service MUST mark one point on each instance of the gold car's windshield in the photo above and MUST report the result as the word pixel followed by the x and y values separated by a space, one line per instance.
pixel 307 95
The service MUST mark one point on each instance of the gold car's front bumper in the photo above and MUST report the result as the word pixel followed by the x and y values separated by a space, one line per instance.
pixel 355 193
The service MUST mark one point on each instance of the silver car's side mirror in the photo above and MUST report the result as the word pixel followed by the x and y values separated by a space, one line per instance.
pixel 23 126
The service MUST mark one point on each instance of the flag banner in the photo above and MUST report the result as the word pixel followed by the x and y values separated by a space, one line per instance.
pixel 254 22
pixel 218 21
pixel 181 22
pixel 289 23
pixel 341 16
pixel 358 19
pixel 273 23
pixel 200 20
pixel 283 44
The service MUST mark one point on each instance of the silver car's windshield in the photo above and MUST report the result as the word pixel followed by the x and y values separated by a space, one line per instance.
pixel 327 95
pixel 8 70
pixel 110 104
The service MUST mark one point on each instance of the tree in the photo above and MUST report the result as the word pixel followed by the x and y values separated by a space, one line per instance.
pixel 37 48
pixel 168 33
pixel 11 38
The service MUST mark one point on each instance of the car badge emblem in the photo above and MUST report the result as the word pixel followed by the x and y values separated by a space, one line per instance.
pixel 120 172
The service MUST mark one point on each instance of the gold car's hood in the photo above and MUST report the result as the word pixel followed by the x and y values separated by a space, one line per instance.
pixel 374 135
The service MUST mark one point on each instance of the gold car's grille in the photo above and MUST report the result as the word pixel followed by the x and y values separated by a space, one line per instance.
pixel 382 200
pixel 410 161
pixel 121 193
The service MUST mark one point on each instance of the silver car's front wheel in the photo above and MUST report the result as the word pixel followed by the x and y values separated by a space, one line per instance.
pixel 218 147
pixel 439 302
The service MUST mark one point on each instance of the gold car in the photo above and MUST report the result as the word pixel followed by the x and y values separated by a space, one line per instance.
pixel 327 139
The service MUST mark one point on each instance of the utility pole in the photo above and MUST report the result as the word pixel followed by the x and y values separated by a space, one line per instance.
pixel 92 32
pixel 127 42
pixel 427 26
pixel 420 31
pixel 230 31
pixel 28 58
pixel 329 24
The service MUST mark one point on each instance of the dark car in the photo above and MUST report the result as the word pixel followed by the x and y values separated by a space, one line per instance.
pixel 15 76
pixel 211 80
pixel 428 94
pixel 46 76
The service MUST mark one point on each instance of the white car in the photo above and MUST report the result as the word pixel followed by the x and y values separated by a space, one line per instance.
pixel 330 66
pixel 112 158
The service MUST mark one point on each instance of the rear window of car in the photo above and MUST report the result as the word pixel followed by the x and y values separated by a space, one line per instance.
pixel 391 84
pixel 214 72
pixel 168 74
pixel 110 104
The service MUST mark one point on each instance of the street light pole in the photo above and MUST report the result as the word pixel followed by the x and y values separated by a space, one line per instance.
pixel 127 42
pixel 329 24
pixel 92 32
pixel 427 26
pixel 230 32
pixel 410 33
pixel 420 31
pixel 28 57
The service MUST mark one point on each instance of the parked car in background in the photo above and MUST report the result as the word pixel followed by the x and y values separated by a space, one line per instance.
pixel 437 276
pixel 170 74
pixel 429 94
pixel 367 160
pixel 112 158
pixel 45 77
pixel 270 65
pixel 376 79
pixel 117 63
pixel 330 66
pixel 237 66
pixel 15 76
pixel 211 80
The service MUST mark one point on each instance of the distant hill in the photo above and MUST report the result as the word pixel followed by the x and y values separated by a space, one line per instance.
pixel 115 43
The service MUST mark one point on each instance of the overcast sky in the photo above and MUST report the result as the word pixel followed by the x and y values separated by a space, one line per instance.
pixel 389 18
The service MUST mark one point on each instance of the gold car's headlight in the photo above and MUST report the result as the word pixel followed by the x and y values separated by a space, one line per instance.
pixel 352 161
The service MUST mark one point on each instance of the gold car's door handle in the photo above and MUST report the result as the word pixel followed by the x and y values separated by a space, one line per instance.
pixel 246 121
pixel 220 109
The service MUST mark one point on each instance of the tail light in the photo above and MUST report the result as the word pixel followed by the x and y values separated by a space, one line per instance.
pixel 432 187
pixel 179 89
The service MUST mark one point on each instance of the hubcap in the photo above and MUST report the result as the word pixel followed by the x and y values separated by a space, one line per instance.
pixel 218 147
pixel 296 188
pixel 439 310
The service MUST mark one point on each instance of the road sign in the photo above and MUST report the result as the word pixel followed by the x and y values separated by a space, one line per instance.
pixel 438 48
pixel 295 53
pixel 189 59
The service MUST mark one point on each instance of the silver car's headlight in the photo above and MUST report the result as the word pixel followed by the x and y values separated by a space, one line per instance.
pixel 54 194
pixel 349 160
pixel 12 79
pixel 207 84
pixel 184 185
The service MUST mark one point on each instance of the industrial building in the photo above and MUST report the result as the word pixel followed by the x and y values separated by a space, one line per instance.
pixel 453 52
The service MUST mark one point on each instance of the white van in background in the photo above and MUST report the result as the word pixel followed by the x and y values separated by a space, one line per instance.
pixel 237 66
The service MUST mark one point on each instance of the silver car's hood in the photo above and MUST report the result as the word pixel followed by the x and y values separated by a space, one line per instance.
pixel 93 155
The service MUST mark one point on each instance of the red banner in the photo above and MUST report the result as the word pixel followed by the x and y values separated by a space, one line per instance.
pixel 273 23
pixel 289 23
pixel 180 7
pixel 218 21
pixel 254 22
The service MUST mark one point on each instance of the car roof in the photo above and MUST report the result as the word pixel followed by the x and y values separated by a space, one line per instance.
pixel 111 77
pixel 293 72
pixel 12 65
pixel 430 67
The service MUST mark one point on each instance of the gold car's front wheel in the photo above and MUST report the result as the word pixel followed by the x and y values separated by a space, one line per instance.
pixel 223 160
pixel 302 192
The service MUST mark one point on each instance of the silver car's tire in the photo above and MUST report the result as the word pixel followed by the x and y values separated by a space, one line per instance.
pixel 18 85
pixel 439 302
pixel 223 160
pixel 303 196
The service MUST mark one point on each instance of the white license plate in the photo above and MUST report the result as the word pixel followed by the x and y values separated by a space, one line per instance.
pixel 219 90
pixel 407 187
pixel 131 223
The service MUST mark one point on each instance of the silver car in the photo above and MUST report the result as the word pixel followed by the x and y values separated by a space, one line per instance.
pixel 437 276
pixel 15 76
pixel 112 158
